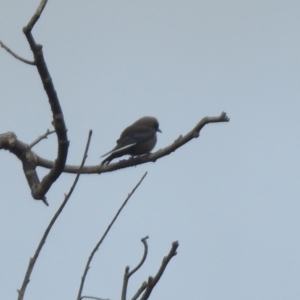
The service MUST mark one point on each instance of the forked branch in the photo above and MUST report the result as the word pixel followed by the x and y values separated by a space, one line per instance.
pixel 40 188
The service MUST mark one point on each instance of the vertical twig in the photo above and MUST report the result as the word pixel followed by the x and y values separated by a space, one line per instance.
pixel 103 237
pixel 33 260
pixel 127 274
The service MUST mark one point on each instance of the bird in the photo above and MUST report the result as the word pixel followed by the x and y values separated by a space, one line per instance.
pixel 137 139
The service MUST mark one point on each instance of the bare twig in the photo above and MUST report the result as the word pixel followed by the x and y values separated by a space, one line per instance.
pixel 16 55
pixel 127 274
pixel 41 137
pixel 144 241
pixel 35 17
pixel 152 281
pixel 87 267
pixel 33 260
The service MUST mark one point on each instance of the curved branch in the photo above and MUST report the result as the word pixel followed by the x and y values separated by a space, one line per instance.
pixel 39 189
pixel 9 141
pixel 152 157
pixel 180 141
pixel 127 274
pixel 87 267
pixel 33 260
pixel 30 160
pixel 144 241
pixel 16 55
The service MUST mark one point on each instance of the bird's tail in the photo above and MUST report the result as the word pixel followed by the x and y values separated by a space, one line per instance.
pixel 116 149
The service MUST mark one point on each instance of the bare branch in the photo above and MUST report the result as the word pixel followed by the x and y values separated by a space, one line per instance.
pixel 152 281
pixel 33 260
pixel 41 137
pixel 87 267
pixel 16 55
pixel 39 189
pixel 30 160
pixel 194 133
pixel 152 157
pixel 127 274
pixel 144 241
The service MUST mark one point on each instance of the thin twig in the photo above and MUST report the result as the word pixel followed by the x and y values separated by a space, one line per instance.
pixel 127 274
pixel 144 241
pixel 87 267
pixel 16 55
pixel 41 137
pixel 33 260
pixel 35 17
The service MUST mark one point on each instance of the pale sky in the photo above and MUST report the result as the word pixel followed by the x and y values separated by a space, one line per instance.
pixel 231 197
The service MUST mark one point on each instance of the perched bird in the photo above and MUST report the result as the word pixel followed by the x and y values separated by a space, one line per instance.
pixel 137 139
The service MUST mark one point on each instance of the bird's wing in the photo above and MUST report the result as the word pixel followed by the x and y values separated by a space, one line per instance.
pixel 117 149
pixel 130 138
pixel 135 137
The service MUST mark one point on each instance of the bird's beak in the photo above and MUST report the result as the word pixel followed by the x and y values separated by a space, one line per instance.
pixel 159 130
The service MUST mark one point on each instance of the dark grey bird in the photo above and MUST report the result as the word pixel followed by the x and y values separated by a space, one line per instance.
pixel 137 139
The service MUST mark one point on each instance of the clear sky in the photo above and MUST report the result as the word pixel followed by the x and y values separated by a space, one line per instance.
pixel 231 197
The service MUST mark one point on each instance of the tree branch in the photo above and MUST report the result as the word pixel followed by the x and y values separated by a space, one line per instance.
pixel 33 260
pixel 35 17
pixel 144 241
pixel 87 267
pixel 9 141
pixel 16 55
pixel 39 189
pixel 41 137
pixel 127 274
pixel 152 157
